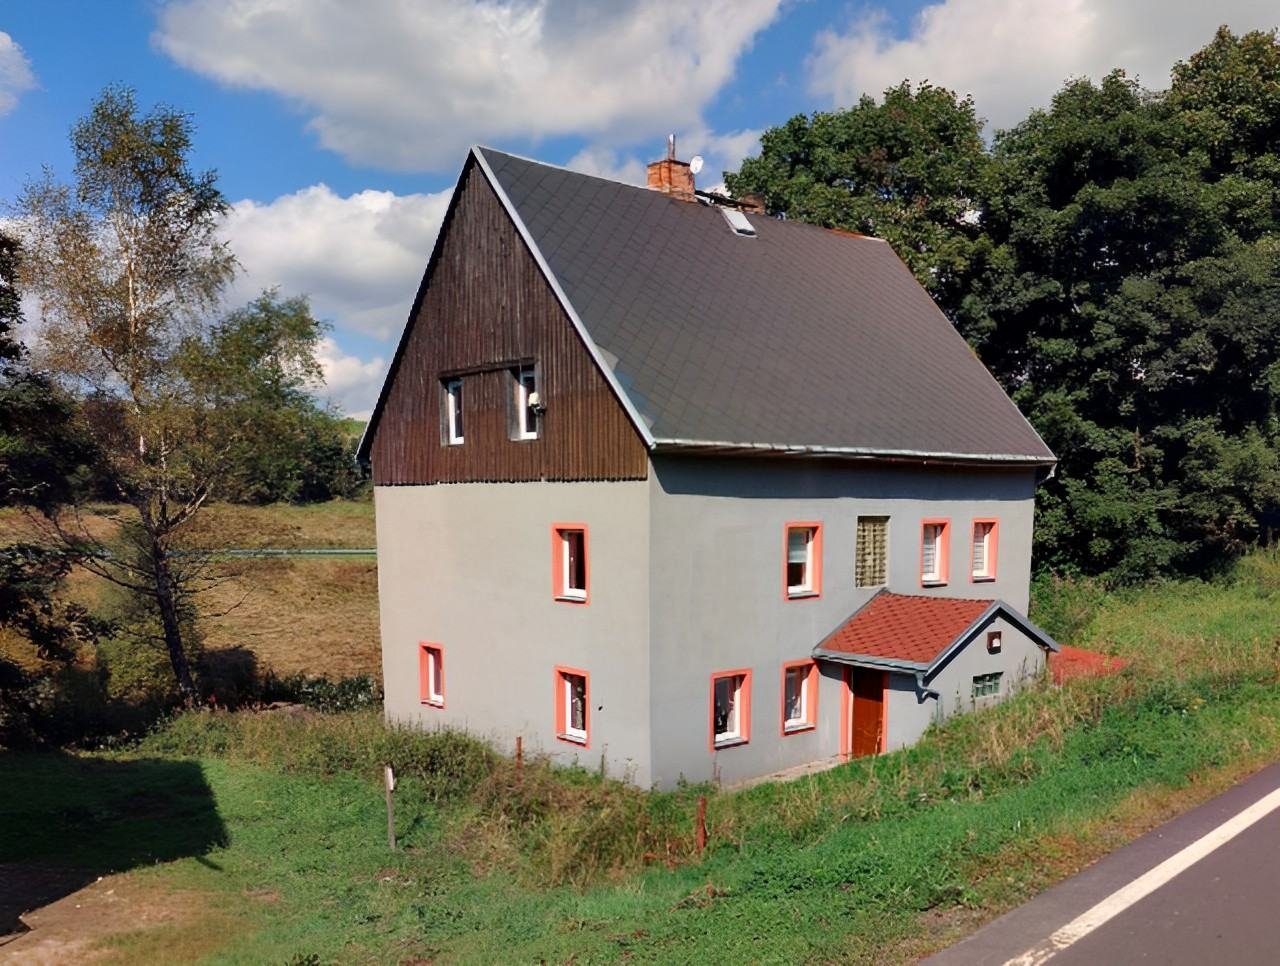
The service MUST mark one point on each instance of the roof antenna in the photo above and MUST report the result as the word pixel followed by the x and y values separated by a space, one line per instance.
pixel 671 147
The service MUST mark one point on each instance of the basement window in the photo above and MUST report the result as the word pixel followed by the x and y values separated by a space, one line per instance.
pixel 569 562
pixel 739 224
pixel 453 412
pixel 730 708
pixel 571 705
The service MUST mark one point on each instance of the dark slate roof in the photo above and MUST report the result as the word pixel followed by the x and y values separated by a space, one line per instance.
pixel 917 632
pixel 798 338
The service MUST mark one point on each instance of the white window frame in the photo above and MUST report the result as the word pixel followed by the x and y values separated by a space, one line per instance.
pixel 435 659
pixel 568 730
pixel 736 682
pixel 566 570
pixel 985 573
pixel 453 403
pixel 795 724
pixel 934 576
pixel 805 586
pixel 522 391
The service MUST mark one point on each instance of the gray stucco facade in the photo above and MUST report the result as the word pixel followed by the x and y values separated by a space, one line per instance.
pixel 685 581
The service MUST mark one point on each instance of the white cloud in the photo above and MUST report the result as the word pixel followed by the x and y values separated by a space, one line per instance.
pixel 359 258
pixel 351 383
pixel 1013 55
pixel 15 73
pixel 408 84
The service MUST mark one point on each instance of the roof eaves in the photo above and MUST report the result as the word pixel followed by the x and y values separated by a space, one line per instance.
pixel 869 660
pixel 865 452
pixel 637 420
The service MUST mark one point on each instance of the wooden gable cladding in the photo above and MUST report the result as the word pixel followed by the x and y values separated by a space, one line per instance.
pixel 486 307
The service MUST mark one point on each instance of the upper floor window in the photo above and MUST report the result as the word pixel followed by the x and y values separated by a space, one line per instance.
pixel 803 560
pixel 871 563
pixel 453 411
pixel 525 403
pixel 933 552
pixel 569 562
pixel 983 556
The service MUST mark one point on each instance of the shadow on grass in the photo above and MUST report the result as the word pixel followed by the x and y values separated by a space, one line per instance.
pixel 66 820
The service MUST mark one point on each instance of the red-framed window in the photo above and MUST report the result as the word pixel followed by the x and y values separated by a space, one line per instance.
pixel 802 559
pixel 431 674
pixel 984 549
pixel 799 696
pixel 935 551
pixel 570 556
pixel 573 705
pixel 730 708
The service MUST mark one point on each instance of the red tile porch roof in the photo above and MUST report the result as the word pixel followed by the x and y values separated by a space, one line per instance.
pixel 902 627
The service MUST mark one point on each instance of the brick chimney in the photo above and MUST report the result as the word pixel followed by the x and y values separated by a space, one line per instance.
pixel 670 176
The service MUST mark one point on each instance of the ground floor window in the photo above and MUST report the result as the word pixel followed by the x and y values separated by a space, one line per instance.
pixel 571 699
pixel 730 708
pixel 431 674
pixel 986 685
pixel 799 696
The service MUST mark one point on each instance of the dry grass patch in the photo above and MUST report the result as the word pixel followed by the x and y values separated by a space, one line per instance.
pixel 318 616
pixel 345 524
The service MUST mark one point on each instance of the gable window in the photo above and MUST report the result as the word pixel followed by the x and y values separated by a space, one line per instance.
pixel 730 708
pixel 986 685
pixel 933 552
pixel 569 562
pixel 871 555
pixel 524 403
pixel 802 560
pixel 799 696
pixel 994 642
pixel 983 553
pixel 453 412
pixel 571 705
pixel 431 674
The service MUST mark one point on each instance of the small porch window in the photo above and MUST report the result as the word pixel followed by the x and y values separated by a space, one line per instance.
pixel 730 708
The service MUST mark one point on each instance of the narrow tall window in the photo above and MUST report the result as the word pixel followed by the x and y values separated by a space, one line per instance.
pixel 983 555
pixel 453 411
pixel 871 561
pixel 799 696
pixel 431 674
pixel 803 560
pixel 524 403
pixel 569 562
pixel 571 705
pixel 730 708
pixel 933 552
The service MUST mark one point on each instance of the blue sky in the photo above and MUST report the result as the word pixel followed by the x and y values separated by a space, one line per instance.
pixel 338 128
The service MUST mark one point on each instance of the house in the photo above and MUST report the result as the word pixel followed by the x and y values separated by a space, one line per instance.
pixel 671 488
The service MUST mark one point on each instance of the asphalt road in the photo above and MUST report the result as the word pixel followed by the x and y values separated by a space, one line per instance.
pixel 1223 909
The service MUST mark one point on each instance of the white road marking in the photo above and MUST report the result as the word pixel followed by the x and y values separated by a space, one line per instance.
pixel 1148 882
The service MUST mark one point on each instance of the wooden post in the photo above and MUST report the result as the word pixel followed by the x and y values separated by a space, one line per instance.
pixel 701 828
pixel 519 758
pixel 389 782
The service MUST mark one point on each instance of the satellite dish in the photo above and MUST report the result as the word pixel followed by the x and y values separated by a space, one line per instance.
pixel 695 163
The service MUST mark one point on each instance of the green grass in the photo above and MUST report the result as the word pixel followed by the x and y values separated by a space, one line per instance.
pixel 874 861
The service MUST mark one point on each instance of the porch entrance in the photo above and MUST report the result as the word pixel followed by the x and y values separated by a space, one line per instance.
pixel 866 719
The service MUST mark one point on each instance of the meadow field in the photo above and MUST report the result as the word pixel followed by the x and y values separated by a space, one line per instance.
pixel 262 837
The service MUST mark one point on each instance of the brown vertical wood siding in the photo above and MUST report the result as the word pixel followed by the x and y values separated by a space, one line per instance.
pixel 486 303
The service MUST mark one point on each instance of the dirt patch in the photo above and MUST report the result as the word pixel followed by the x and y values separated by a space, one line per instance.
pixel 81 927
pixel 1075 662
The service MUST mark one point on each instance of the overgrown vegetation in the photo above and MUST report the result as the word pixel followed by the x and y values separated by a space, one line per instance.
pixel 877 860
pixel 1112 258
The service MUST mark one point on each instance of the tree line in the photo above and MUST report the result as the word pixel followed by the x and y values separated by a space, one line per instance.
pixel 1114 259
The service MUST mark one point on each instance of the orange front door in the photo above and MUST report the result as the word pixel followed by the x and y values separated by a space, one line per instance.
pixel 868 711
